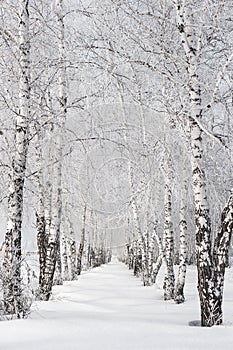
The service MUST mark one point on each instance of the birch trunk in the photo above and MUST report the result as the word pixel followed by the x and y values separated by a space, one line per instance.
pixel 130 256
pixel 161 257
pixel 12 291
pixel 66 274
pixel 157 266
pixel 45 282
pixel 169 279
pixel 138 259
pixel 142 263
pixel 81 244
pixel 40 212
pixel 221 249
pixel 72 253
pixel 203 227
pixel 179 292
pixel 58 277
pixel 57 216
pixel 88 256
pixel 151 252
pixel 145 261
pixel 202 214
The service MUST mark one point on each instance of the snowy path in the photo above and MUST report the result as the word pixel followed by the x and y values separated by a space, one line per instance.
pixel 108 309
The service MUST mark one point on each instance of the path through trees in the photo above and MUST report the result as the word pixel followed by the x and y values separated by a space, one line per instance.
pixel 108 308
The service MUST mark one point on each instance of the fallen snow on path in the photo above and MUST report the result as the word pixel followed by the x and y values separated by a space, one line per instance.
pixel 109 309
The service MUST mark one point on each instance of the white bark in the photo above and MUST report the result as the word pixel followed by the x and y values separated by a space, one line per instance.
pixel 179 292
pixel 169 279
pixel 202 215
pixel 221 250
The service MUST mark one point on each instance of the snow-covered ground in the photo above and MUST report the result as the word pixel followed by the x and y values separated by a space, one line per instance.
pixel 109 309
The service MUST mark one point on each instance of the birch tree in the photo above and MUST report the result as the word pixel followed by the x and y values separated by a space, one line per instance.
pixel 169 279
pixel 210 297
pixel 179 290
pixel 13 255
pixel 53 240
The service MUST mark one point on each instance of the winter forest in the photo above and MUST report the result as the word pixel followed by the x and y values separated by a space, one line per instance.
pixel 116 191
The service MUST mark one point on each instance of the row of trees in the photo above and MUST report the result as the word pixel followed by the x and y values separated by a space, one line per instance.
pixel 107 108
pixel 194 36
pixel 35 131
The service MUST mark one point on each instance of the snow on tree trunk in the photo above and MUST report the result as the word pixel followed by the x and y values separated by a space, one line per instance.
pixel 44 295
pixel 179 290
pixel 203 226
pixel 221 248
pixel 202 214
pixel 12 291
pixel 169 279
